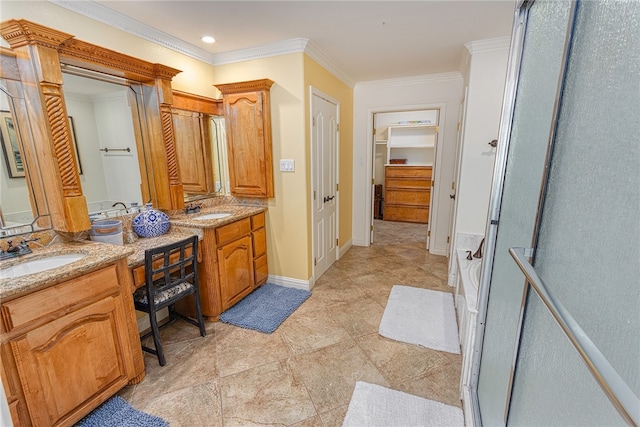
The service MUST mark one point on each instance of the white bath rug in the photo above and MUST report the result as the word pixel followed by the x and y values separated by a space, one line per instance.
pixel 422 317
pixel 373 405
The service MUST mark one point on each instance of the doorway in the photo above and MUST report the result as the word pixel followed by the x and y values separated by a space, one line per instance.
pixel 404 153
pixel 325 113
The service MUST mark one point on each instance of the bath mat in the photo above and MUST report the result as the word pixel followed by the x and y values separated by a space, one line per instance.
pixel 422 317
pixel 374 405
pixel 264 309
pixel 116 412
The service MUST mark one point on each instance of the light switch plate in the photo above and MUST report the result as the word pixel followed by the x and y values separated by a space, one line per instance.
pixel 287 165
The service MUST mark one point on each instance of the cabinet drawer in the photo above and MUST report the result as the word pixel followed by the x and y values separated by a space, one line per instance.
pixel 257 221
pixel 406 213
pixel 139 272
pixel 261 270
pixel 409 171
pixel 59 297
pixel 408 197
pixel 233 231
pixel 407 183
pixel 259 240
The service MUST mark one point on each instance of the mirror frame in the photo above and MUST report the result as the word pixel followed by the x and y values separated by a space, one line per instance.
pixel 37 197
pixel 40 52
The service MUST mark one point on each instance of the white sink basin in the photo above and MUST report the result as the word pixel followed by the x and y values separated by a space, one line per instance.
pixel 39 265
pixel 219 215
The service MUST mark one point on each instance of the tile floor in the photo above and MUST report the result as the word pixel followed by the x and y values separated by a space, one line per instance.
pixel 304 373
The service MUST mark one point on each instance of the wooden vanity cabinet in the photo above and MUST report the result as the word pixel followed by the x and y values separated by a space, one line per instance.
pixel 259 244
pixel 68 348
pixel 234 263
pixel 247 113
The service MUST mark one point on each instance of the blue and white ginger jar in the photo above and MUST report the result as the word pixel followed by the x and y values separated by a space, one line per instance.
pixel 151 222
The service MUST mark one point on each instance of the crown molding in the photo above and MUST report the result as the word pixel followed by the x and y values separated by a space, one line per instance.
pixel 411 81
pixel 488 45
pixel 265 51
pixel 317 55
pixel 98 12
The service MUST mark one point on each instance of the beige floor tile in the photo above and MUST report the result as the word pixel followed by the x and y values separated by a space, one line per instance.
pixel 436 385
pixel 188 363
pixel 266 395
pixel 358 318
pixel 304 373
pixel 400 362
pixel 326 294
pixel 189 407
pixel 334 417
pixel 239 349
pixel 330 374
pixel 310 422
pixel 312 331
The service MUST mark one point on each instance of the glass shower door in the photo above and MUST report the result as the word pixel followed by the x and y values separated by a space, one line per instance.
pixel 586 249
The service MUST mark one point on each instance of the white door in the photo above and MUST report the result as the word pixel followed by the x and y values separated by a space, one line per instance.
pixel 324 152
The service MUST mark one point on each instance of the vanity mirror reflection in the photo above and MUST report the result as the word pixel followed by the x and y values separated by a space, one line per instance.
pixel 102 125
pixel 199 130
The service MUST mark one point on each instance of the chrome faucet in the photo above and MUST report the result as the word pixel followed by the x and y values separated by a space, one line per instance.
pixel 16 251
pixel 192 208
pixel 478 253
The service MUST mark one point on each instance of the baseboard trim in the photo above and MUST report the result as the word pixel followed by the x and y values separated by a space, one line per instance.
pixel 290 282
pixel 344 248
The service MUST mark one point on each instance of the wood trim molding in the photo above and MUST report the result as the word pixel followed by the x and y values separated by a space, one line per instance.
pixel 20 32
pixel 248 86
pixel 201 104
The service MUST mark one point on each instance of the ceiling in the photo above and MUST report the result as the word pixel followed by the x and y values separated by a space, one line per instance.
pixel 363 40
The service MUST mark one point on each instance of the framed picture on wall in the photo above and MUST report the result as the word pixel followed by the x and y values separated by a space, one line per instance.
pixel 10 146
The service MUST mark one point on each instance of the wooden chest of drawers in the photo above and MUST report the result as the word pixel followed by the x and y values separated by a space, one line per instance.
pixel 407 193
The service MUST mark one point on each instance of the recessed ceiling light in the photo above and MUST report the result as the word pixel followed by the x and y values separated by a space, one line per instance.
pixel 208 39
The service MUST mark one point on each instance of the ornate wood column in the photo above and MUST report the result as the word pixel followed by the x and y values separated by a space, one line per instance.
pixel 37 57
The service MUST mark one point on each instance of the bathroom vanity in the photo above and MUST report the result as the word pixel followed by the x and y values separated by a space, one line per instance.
pixel 69 336
pixel 234 256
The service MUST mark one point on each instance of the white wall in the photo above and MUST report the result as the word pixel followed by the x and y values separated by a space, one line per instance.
pixel 487 71
pixel 421 92
pixel 484 73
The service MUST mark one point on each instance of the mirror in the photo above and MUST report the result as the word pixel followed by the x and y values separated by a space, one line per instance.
pixel 220 161
pixel 21 211
pixel 101 120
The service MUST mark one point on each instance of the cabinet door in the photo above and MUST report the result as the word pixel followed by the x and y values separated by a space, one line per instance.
pixel 69 366
pixel 249 144
pixel 235 262
pixel 193 150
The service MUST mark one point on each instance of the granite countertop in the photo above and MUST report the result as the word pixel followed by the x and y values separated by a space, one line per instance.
pixel 237 212
pixel 136 259
pixel 96 255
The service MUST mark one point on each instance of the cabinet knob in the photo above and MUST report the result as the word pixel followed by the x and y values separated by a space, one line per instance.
pixel 452 196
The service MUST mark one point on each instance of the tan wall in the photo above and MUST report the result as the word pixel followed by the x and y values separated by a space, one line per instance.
pixel 288 216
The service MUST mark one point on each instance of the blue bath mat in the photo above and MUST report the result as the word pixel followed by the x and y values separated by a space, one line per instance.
pixel 116 412
pixel 264 309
